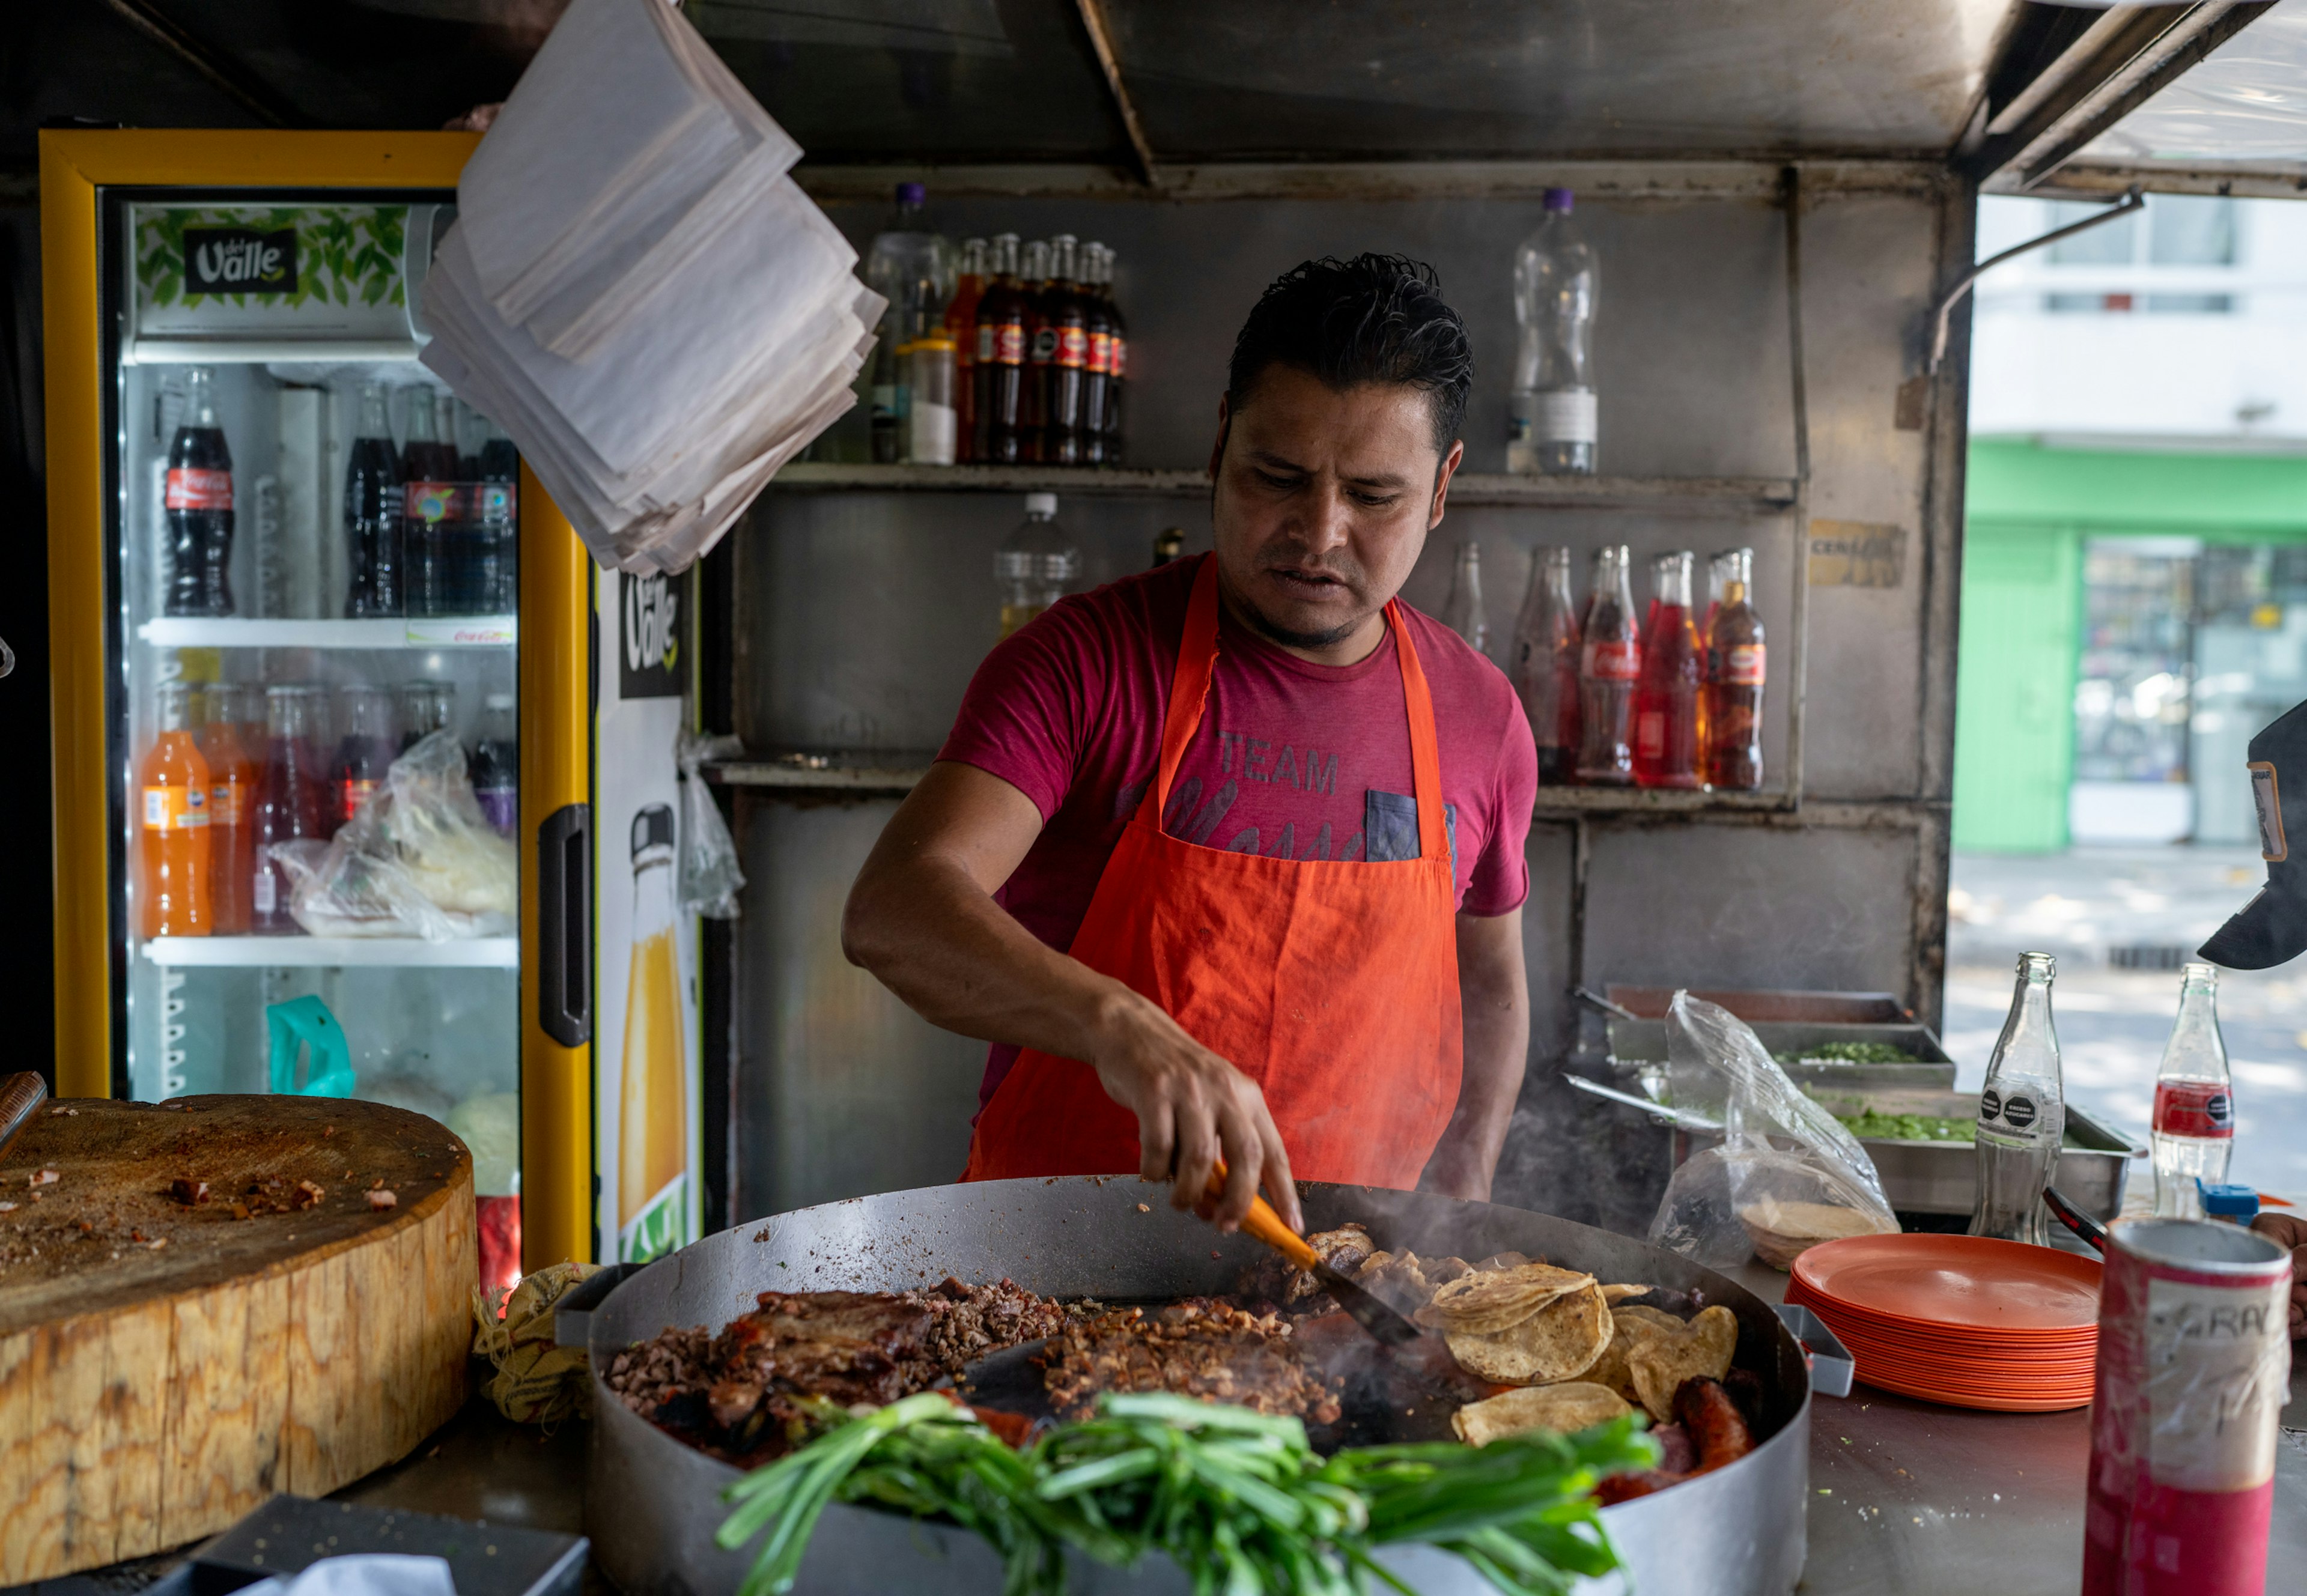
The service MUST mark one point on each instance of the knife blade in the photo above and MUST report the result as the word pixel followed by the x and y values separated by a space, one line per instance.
pixel 19 1094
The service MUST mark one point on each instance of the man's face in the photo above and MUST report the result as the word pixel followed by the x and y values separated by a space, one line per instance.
pixel 1323 499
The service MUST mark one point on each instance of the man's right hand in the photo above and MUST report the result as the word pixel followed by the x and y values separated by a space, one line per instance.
pixel 1193 1109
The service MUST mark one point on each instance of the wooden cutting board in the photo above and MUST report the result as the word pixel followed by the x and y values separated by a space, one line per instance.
pixel 165 1365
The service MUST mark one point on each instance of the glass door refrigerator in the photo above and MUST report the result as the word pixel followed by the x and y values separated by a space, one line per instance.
pixel 364 776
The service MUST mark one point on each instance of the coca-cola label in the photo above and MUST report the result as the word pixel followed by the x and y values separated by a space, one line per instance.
pixel 191 487
pixel 1611 661
pixel 2204 1109
pixel 240 261
pixel 1009 343
pixel 1101 352
pixel 1073 348
pixel 2267 797
pixel 1045 345
pixel 1742 665
pixel 174 809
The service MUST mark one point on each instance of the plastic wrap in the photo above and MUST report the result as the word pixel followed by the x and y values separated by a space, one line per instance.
pixel 1788 1174
pixel 710 879
pixel 419 859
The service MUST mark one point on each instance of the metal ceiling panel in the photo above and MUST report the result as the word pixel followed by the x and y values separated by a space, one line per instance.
pixel 1217 80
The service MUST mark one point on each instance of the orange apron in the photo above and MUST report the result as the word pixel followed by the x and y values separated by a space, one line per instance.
pixel 1332 984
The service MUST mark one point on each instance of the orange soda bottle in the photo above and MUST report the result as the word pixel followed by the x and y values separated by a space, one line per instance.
pixel 173 842
pixel 232 809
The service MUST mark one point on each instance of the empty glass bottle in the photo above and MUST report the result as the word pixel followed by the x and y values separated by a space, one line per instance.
pixel 1610 665
pixel 2022 1114
pixel 1463 611
pixel 1546 665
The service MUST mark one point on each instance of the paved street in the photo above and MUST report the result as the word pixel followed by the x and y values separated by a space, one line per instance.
pixel 2112 1022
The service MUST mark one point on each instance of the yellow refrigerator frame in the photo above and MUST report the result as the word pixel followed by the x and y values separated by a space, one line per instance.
pixel 555 659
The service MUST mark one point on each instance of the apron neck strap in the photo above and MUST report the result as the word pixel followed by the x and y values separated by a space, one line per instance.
pixel 1189 692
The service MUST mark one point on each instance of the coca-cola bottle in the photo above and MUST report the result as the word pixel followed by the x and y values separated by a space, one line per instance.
pixel 198 502
pixel 1097 377
pixel 1546 665
pixel 1117 368
pixel 961 327
pixel 1734 669
pixel 1000 366
pixel 363 754
pixel 373 528
pixel 1064 378
pixel 1610 665
pixel 2194 1103
pixel 1040 350
pixel 1674 674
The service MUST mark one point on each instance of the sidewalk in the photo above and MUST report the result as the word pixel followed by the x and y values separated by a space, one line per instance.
pixel 2112 1022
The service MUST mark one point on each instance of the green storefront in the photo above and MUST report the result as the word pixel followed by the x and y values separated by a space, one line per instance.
pixel 2046 535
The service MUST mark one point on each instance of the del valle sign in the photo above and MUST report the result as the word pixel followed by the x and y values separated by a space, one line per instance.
pixel 240 261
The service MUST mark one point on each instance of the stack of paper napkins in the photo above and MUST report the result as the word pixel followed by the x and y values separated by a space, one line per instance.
pixel 638 293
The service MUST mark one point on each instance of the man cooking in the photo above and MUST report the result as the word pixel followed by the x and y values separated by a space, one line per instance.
pixel 1225 859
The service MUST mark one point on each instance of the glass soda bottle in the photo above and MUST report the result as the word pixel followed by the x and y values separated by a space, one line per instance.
pixel 1610 665
pixel 425 707
pixel 232 808
pixel 1666 728
pixel 373 527
pixel 1040 350
pixel 363 754
pixel 1117 365
pixel 1463 612
pixel 653 1096
pixel 2022 1114
pixel 1735 670
pixel 1551 414
pixel 496 764
pixel 1036 564
pixel 999 372
pixel 197 499
pixel 498 508
pixel 1064 378
pixel 291 801
pixel 1546 665
pixel 173 842
pixel 2194 1103
pixel 961 328
pixel 1097 377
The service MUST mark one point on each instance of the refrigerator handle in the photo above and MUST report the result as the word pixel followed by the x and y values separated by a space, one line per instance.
pixel 564 925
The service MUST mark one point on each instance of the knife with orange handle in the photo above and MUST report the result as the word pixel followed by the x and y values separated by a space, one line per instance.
pixel 1380 1319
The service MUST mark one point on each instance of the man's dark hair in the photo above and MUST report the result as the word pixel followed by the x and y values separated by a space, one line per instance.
pixel 1372 319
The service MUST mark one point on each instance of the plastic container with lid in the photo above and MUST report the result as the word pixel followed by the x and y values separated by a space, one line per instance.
pixel 2227 1203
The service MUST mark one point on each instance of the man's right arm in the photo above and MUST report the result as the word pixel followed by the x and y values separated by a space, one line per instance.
pixel 922 919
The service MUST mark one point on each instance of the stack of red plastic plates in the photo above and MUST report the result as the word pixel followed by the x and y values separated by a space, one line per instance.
pixel 1965 1320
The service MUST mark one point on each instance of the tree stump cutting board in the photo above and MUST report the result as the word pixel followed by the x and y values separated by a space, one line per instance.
pixel 165 1365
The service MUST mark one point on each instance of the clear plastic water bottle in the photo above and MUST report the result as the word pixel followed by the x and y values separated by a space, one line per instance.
pixel 1036 564
pixel 1550 416
pixel 2194 1103
pixel 1463 611
pixel 2022 1114
pixel 912 266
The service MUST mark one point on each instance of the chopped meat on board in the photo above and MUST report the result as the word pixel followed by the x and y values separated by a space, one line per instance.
pixel 1199 1347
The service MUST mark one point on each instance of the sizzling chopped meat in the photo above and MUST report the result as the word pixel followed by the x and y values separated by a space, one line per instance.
pixel 1272 1278
pixel 1200 1347
pixel 967 1322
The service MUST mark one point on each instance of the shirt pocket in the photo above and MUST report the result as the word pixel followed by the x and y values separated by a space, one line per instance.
pixel 1390 829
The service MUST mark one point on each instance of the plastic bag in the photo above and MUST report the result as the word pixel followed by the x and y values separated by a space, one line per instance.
pixel 418 859
pixel 1788 1174
pixel 708 879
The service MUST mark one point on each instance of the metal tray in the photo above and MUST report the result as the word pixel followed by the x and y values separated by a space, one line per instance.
pixel 1638 1047
pixel 1943 1177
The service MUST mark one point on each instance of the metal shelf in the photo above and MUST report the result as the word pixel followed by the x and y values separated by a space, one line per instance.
pixel 1557 801
pixel 485 953
pixel 1754 494
pixel 259 351
pixel 445 632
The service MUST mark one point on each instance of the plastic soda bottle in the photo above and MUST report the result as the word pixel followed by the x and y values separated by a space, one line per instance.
pixel 1551 414
pixel 1666 727
pixel 197 499
pixel 1036 564
pixel 291 793
pixel 1463 611
pixel 1546 665
pixel 1735 666
pixel 173 841
pixel 1610 665
pixel 2022 1114
pixel 2194 1103
pixel 495 764
pixel 653 1096
pixel 373 529
pixel 232 809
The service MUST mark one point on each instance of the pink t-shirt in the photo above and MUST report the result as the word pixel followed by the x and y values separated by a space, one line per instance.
pixel 1292 758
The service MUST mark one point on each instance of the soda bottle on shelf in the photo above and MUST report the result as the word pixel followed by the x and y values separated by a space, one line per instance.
pixel 291 801
pixel 467 427
pixel 2022 1114
pixel 1097 375
pixel 1463 611
pixel 232 808
pixel 1546 665
pixel 961 328
pixel 197 500
pixel 363 753
pixel 1667 707
pixel 173 842
pixel 1001 368
pixel 1734 669
pixel 1610 665
pixel 2194 1101
pixel 373 528
pixel 1117 366
pixel 499 511
pixel 1036 564
pixel 427 456
pixel 416 711
pixel 1551 414
pixel 1041 352
pixel 495 764
pixel 1064 378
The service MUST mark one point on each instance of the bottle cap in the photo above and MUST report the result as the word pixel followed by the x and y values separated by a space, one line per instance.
pixel 1041 504
pixel 912 194
pixel 652 828
pixel 2238 1203
pixel 1558 202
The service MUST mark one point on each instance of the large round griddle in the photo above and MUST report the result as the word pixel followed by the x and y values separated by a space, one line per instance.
pixel 652 1503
